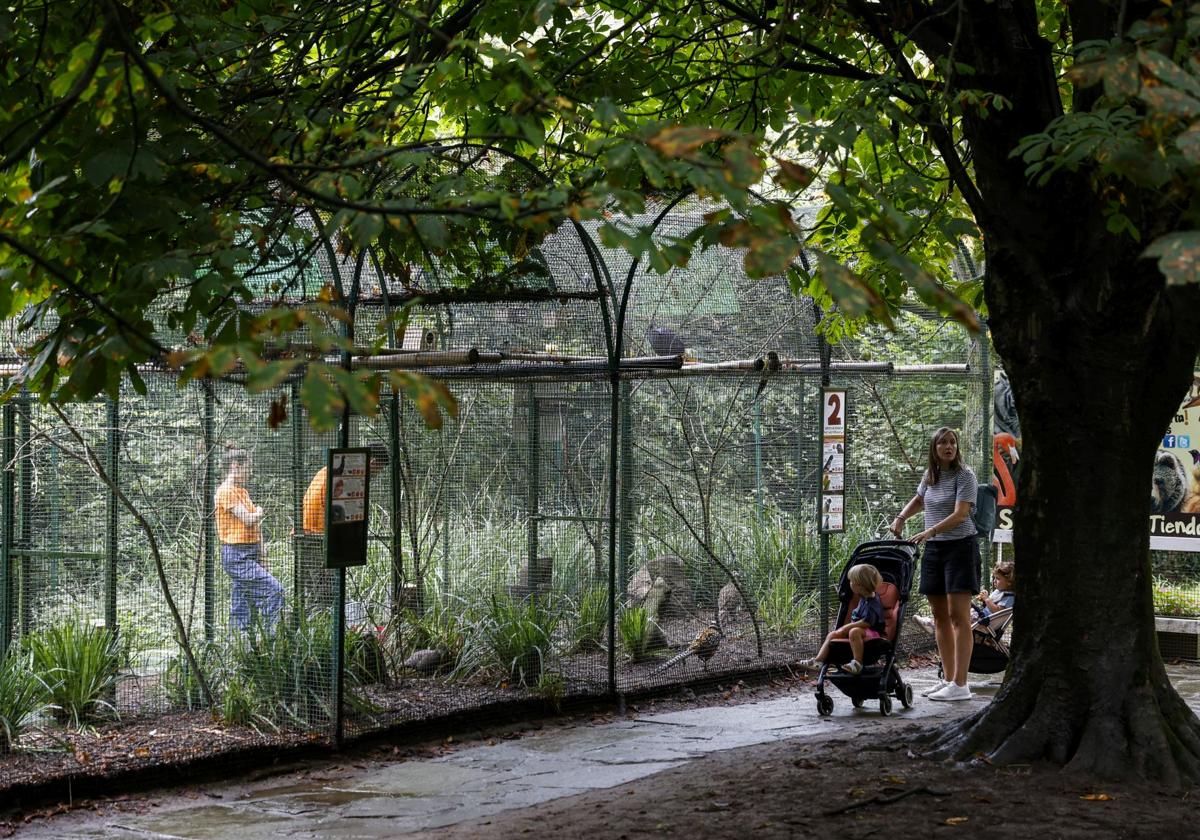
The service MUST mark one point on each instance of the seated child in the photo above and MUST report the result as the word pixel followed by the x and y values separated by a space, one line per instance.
pixel 1000 598
pixel 866 621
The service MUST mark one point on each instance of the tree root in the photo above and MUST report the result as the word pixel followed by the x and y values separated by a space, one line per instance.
pixel 885 800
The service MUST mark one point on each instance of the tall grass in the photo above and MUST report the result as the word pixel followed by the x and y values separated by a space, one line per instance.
pixel 22 697
pixel 79 664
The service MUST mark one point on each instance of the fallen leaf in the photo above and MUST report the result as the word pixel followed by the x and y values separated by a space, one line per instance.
pixel 1096 797
pixel 895 780
pixel 956 820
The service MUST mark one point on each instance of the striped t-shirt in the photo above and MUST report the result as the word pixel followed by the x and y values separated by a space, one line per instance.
pixel 940 499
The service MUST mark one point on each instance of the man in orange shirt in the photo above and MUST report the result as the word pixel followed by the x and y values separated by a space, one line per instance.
pixel 255 590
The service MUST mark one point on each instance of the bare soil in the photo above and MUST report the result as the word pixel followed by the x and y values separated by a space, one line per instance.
pixel 826 788
pixel 857 789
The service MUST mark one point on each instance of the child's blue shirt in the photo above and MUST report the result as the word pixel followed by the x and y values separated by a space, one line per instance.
pixel 870 610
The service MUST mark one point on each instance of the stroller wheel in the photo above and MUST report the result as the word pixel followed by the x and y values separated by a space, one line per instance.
pixel 824 705
pixel 904 695
pixel 885 704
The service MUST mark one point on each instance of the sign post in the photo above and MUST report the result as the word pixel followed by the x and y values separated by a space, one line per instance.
pixel 832 508
pixel 347 502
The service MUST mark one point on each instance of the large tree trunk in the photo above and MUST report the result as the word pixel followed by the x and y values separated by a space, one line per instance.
pixel 1087 688
pixel 1099 352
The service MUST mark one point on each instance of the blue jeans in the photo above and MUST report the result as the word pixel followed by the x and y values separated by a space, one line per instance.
pixel 255 590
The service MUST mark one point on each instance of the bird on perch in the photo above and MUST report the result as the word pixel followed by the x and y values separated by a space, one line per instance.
pixel 664 341
pixel 704 647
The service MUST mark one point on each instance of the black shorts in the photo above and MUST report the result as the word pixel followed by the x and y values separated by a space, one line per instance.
pixel 950 566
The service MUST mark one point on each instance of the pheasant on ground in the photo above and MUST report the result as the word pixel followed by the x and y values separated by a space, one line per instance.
pixel 704 647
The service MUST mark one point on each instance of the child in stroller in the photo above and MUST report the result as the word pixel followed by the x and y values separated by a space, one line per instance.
pixel 894 562
pixel 866 620
pixel 990 617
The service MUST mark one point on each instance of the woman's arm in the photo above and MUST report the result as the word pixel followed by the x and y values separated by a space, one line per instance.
pixel 962 511
pixel 915 504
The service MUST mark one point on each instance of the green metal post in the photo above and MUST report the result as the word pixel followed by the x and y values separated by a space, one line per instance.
pixel 209 507
pixel 7 479
pixel 533 476
pixel 823 347
pixel 112 446
pixel 25 540
pixel 625 488
pixel 298 490
pixel 758 466
pixel 394 472
pixel 56 514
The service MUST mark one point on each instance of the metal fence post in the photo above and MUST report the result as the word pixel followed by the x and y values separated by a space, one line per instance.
pixel 208 505
pixel 25 500
pixel 625 488
pixel 8 481
pixel 112 446
pixel 533 474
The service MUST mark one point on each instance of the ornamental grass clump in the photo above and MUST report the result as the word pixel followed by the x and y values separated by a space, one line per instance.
pixel 591 620
pixel 637 633
pixel 22 697
pixel 79 664
pixel 517 636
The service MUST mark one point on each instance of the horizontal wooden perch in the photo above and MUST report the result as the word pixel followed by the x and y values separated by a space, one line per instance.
pixel 435 297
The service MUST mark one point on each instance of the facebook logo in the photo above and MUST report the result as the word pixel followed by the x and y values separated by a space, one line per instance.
pixel 1168 441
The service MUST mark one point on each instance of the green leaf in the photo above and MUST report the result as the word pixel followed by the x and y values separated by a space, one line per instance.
pixel 682 140
pixel 321 397
pixel 1189 143
pixel 852 294
pixel 1169 72
pixel 1178 256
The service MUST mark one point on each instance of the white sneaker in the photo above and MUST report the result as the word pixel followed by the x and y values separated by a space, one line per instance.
pixel 938 686
pixel 952 691
pixel 852 667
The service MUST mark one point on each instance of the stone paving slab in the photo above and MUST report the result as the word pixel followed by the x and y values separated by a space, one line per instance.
pixel 380 800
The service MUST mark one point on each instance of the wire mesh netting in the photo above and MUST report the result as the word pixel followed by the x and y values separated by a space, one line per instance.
pixel 561 537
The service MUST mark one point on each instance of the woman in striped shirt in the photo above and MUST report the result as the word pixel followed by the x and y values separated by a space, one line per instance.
pixel 950 567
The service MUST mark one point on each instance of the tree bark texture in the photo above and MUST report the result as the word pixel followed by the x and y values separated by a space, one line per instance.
pixel 1099 352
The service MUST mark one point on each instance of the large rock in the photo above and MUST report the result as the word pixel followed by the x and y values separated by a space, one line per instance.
pixel 670 568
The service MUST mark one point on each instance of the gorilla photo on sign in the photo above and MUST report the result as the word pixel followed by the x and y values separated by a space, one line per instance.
pixel 1170 484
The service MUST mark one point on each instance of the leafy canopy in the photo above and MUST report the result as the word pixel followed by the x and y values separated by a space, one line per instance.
pixel 162 169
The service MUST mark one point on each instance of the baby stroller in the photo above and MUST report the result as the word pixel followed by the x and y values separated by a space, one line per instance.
pixel 879 678
pixel 990 653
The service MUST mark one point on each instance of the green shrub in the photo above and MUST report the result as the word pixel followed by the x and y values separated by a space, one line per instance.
pixel 1175 598
pixel 22 696
pixel 282 675
pixel 517 635
pixel 79 664
pixel 551 688
pixel 364 656
pixel 590 627
pixel 637 633
pixel 180 682
pixel 444 627
pixel 782 609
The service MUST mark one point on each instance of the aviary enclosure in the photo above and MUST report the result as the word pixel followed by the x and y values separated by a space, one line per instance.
pixel 636 455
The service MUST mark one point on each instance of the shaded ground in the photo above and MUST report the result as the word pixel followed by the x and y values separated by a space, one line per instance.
pixel 854 789
pixel 741 762
pixel 147 740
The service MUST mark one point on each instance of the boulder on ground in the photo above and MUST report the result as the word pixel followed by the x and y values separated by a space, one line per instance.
pixel 682 602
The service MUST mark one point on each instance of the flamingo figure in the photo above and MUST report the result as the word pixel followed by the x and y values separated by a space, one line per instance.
pixel 1004 444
